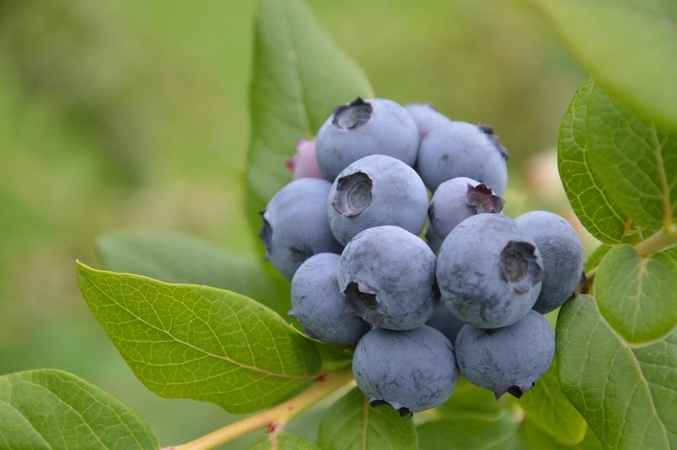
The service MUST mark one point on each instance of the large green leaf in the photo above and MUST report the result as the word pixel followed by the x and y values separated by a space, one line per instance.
pixel 546 406
pixel 284 441
pixel 179 258
pixel 596 257
pixel 198 342
pixel 536 438
pixel 299 75
pixel 626 393
pixel 619 171
pixel 352 424
pixel 637 295
pixel 469 401
pixel 631 46
pixel 498 433
pixel 54 409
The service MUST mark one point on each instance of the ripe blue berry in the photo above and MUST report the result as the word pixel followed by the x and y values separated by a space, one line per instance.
pixel 411 370
pixel 295 225
pixel 445 322
pixel 318 304
pixel 461 149
pixel 562 255
pixel 363 128
pixel 388 278
pixel 509 359
pixel 489 271
pixel 427 118
pixel 376 190
pixel 457 199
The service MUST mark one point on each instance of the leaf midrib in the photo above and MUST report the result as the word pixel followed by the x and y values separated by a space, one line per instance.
pixel 622 343
pixel 667 206
pixel 224 358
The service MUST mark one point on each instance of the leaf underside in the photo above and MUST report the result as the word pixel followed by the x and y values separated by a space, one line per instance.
pixel 54 409
pixel 197 342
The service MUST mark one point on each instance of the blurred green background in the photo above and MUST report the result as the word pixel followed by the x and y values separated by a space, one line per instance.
pixel 134 114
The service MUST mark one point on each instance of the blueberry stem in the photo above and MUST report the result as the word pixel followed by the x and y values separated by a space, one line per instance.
pixel 274 419
pixel 665 239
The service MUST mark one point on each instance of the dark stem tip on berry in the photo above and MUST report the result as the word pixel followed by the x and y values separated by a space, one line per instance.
pixel 489 131
pixel 431 210
pixel 486 128
pixel 266 235
pixel 356 113
pixel 483 200
pixel 375 403
pixel 363 304
pixel 519 266
pixel 515 391
pixel 404 412
pixel 353 194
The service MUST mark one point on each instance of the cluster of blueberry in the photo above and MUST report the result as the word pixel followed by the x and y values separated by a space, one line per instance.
pixel 346 233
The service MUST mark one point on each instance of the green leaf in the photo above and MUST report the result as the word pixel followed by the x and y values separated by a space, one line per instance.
pixel 179 258
pixel 637 295
pixel 630 46
pixel 198 342
pixel 351 423
pixel 546 406
pixel 469 401
pixel 472 433
pixel 299 75
pixel 620 172
pixel 596 257
pixel 54 409
pixel 536 438
pixel 625 393
pixel 284 441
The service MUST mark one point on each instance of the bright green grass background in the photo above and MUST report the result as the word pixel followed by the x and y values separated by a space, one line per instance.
pixel 134 114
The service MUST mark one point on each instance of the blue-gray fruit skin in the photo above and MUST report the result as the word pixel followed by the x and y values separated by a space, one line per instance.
pixel 509 359
pixel 376 190
pixel 463 150
pixel 489 271
pixel 411 370
pixel 445 322
pixel 457 199
pixel 433 239
pixel 427 118
pixel 388 278
pixel 295 225
pixel 363 128
pixel 562 255
pixel 318 304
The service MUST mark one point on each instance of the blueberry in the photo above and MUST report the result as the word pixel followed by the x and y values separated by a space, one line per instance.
pixel 363 128
pixel 295 225
pixel 388 278
pixel 457 199
pixel 376 190
pixel 411 370
pixel 509 359
pixel 426 117
pixel 461 149
pixel 318 304
pixel 489 271
pixel 445 322
pixel 433 239
pixel 562 255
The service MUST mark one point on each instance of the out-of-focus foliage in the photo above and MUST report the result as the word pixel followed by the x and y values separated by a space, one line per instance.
pixel 133 114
